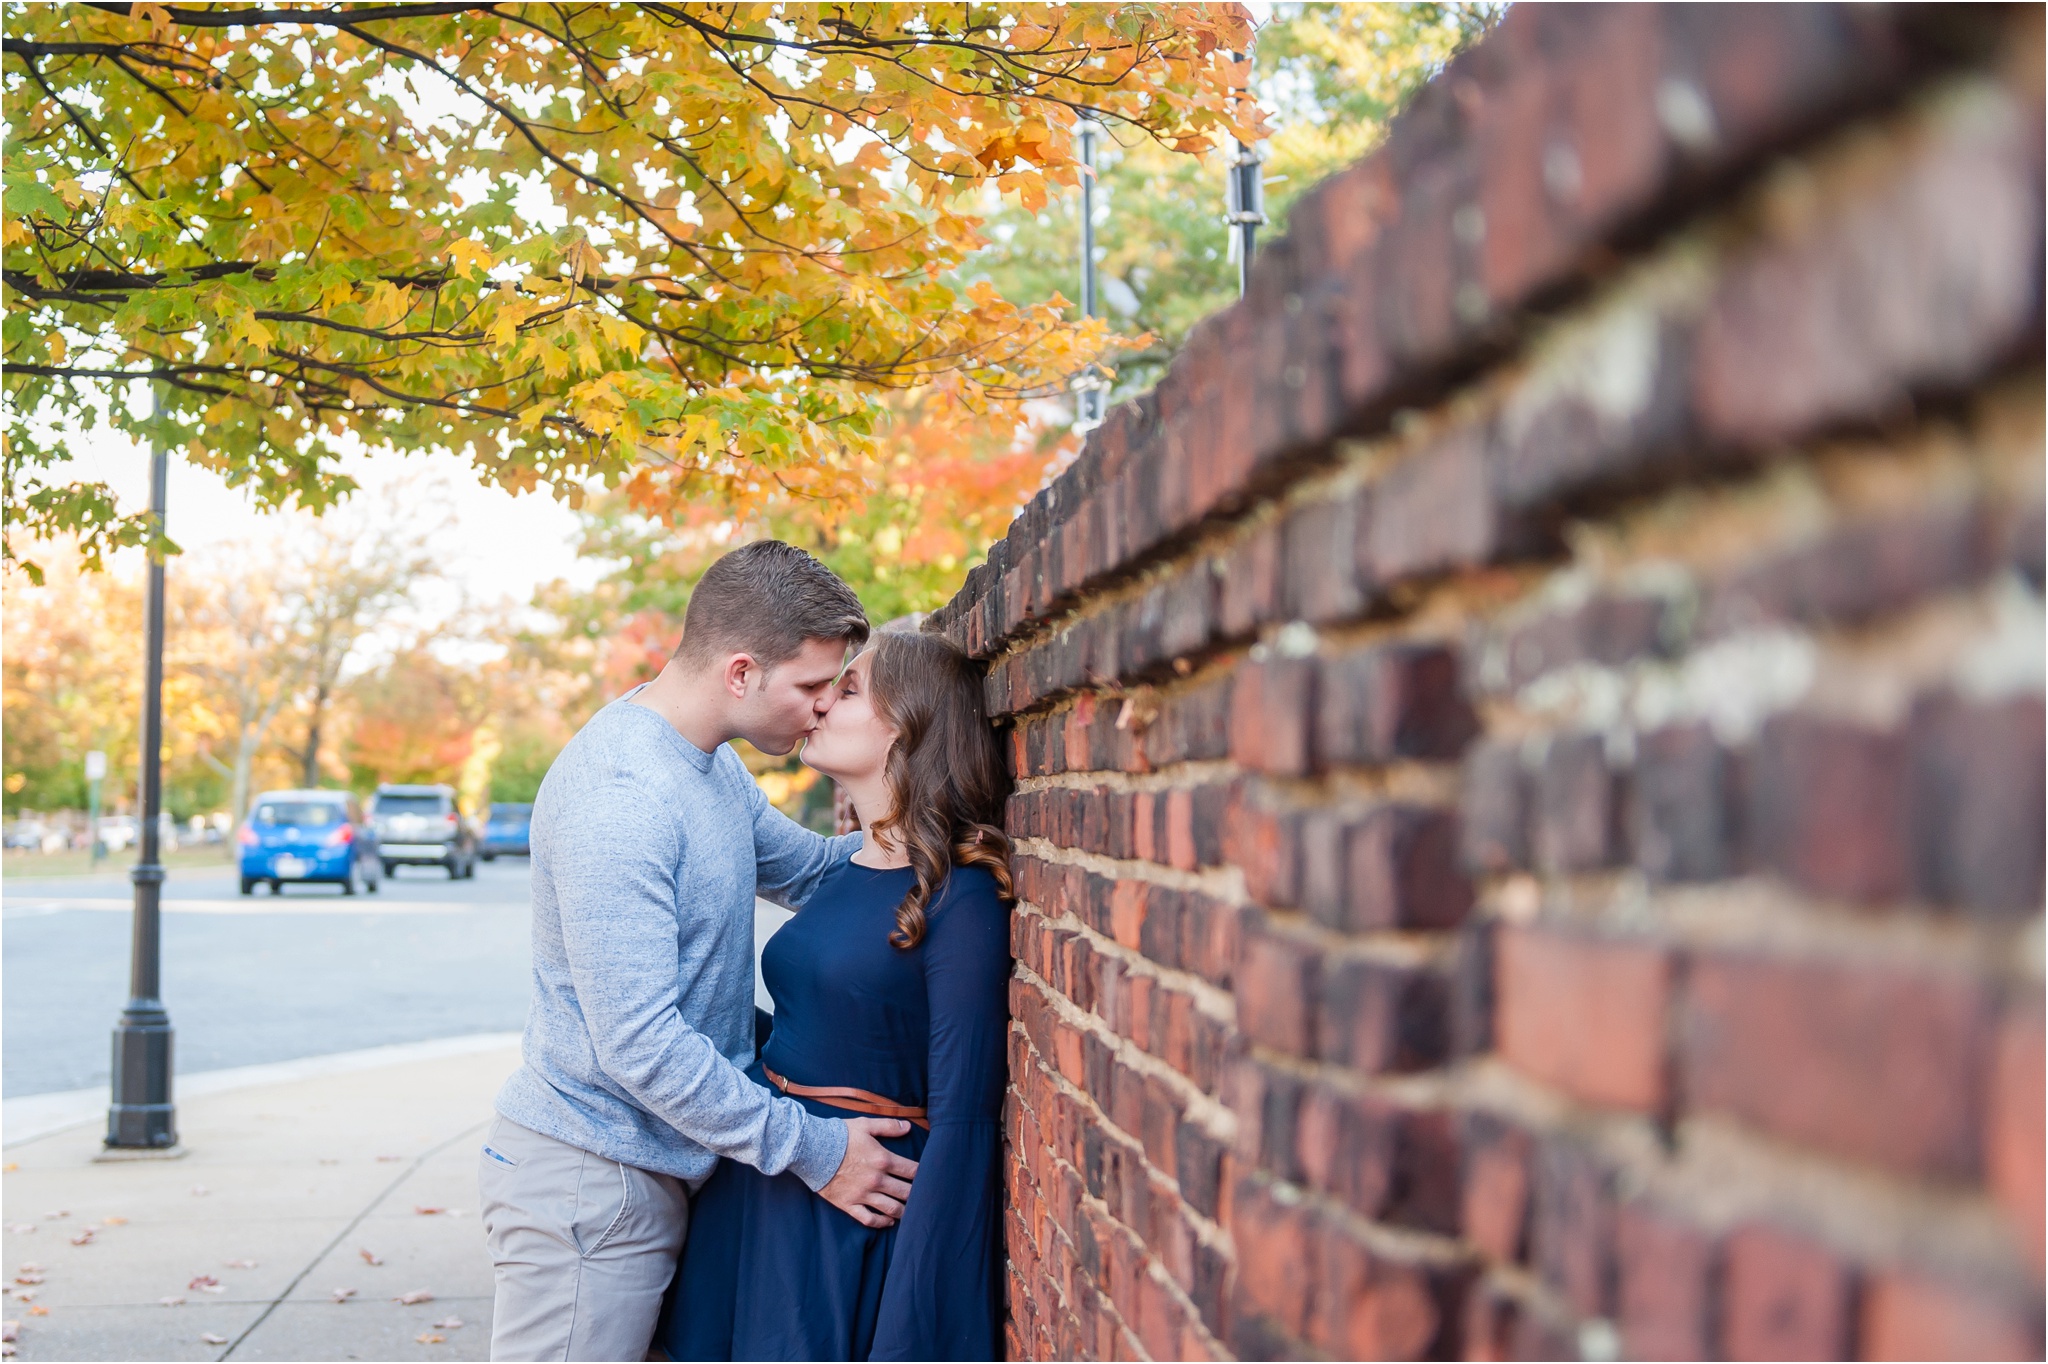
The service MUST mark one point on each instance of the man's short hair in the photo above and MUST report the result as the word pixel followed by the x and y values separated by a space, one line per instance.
pixel 766 599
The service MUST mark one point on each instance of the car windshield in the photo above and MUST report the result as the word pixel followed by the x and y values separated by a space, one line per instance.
pixel 410 805
pixel 303 814
pixel 511 814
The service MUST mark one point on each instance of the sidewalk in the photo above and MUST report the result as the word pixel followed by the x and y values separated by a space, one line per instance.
pixel 238 1249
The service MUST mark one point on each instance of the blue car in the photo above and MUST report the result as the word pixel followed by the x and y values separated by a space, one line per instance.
pixel 505 831
pixel 308 836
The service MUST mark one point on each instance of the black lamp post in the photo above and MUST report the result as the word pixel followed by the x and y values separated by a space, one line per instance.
pixel 142 1117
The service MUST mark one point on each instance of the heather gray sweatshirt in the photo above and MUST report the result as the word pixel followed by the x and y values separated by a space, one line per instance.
pixel 647 855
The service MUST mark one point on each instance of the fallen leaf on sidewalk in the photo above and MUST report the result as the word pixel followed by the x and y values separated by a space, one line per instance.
pixel 213 1338
pixel 206 1283
pixel 390 1158
pixel 57 1215
pixel 113 1221
pixel 9 1330
pixel 370 1258
pixel 28 1275
pixel 418 1295
pixel 239 1264
pixel 39 1311
pixel 428 1338
pixel 342 1294
pixel 22 1228
pixel 426 1211
pixel 84 1238
pixel 6 1350
pixel 170 1302
pixel 28 1294
pixel 449 1324
pixel 10 1167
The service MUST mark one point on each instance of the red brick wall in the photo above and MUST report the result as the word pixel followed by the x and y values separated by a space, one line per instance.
pixel 1529 742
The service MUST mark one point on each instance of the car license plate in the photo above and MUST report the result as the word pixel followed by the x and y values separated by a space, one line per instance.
pixel 291 866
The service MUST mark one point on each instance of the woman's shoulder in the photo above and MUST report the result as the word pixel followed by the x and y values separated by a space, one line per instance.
pixel 970 896
pixel 977 884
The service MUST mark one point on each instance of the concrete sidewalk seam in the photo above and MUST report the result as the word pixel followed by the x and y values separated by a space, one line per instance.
pixel 342 1235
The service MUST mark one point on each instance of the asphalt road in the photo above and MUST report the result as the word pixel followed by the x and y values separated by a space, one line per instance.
pixel 262 979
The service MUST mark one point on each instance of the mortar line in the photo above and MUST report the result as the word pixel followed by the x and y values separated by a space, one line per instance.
pixel 407 1173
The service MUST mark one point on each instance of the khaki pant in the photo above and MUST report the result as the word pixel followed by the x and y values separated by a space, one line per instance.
pixel 582 1247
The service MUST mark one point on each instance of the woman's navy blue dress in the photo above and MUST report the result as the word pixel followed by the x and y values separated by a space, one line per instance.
pixel 772 1271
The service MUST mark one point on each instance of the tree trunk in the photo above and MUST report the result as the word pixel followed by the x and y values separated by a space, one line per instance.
pixel 309 759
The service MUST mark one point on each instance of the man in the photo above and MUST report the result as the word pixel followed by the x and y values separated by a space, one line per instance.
pixel 650 841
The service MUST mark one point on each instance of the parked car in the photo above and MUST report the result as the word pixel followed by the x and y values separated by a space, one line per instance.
pixel 422 826
pixel 318 836
pixel 505 831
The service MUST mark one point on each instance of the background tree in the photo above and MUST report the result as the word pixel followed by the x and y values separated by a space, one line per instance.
pixel 351 570
pixel 73 683
pixel 680 249
pixel 231 633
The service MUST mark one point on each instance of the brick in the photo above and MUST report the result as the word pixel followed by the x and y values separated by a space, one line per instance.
pixel 1275 1240
pixel 1372 1306
pixel 1855 572
pixel 1393 701
pixel 1471 987
pixel 1277 984
pixel 1433 512
pixel 1668 1278
pixel 1267 845
pixel 1493 809
pixel 1494 1187
pixel 1921 275
pixel 1388 1161
pixel 1317 581
pixel 1248 592
pixel 1786 1297
pixel 1572 1227
pixel 1609 631
pixel 2015 1152
pixel 1912 1315
pixel 1397 867
pixel 1682 817
pixel 1271 706
pixel 1585 1014
pixel 1977 803
pixel 1378 1016
pixel 1829 808
pixel 1878 1063
pixel 1576 817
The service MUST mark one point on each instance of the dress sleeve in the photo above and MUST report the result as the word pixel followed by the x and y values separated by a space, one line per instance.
pixel 942 1296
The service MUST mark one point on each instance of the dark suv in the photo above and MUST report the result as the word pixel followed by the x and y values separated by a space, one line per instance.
pixel 422 826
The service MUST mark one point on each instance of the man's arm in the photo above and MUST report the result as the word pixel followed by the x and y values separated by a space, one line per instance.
pixel 614 857
pixel 790 860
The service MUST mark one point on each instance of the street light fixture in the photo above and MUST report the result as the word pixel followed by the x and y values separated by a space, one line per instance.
pixel 142 1118
pixel 1090 386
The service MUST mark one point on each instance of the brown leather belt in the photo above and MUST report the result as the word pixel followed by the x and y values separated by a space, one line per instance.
pixel 859 1100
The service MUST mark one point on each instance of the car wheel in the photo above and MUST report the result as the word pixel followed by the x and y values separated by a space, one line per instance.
pixel 248 885
pixel 490 857
pixel 277 887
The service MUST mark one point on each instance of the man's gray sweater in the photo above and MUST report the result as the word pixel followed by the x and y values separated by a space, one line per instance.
pixel 647 855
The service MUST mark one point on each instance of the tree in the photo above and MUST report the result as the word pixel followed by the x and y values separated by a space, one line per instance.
pixel 231 633
pixel 678 248
pixel 73 680
pixel 350 571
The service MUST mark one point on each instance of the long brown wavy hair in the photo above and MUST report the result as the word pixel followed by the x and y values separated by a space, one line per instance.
pixel 945 771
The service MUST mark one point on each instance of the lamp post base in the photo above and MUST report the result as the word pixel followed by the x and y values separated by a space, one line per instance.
pixel 142 1116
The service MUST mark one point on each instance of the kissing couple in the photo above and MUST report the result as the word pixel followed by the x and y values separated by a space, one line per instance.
pixel 666 1179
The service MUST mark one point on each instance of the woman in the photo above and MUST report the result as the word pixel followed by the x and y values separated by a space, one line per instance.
pixel 890 1000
